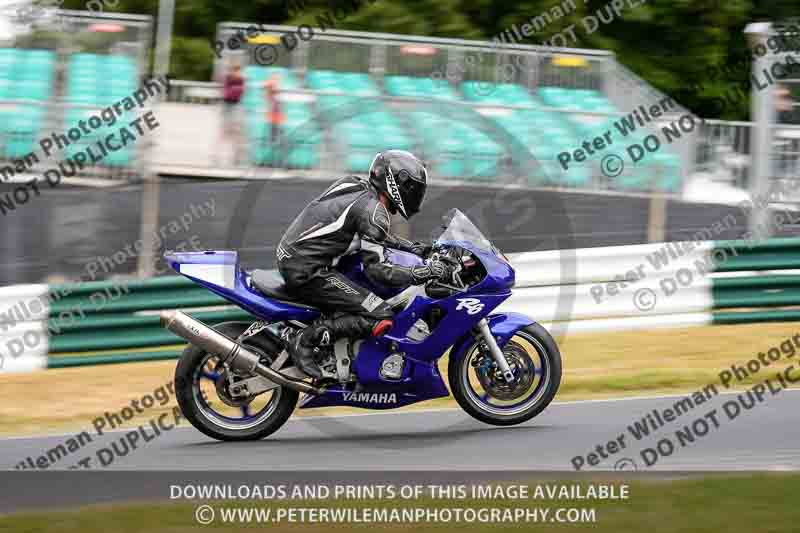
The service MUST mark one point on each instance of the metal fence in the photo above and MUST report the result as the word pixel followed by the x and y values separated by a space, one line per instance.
pixel 716 149
pixel 724 155
pixel 449 63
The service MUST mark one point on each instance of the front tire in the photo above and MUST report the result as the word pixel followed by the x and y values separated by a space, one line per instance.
pixel 481 392
pixel 200 403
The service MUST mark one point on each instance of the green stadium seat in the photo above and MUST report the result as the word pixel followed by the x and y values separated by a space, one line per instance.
pixel 302 156
pixel 99 80
pixel 660 170
pixel 363 129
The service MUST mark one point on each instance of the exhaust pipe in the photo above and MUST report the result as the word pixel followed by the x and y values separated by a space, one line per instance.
pixel 238 357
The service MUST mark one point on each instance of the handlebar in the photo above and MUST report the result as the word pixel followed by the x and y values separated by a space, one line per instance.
pixel 444 255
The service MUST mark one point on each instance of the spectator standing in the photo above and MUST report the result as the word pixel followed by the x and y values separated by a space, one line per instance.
pixel 784 105
pixel 275 117
pixel 232 90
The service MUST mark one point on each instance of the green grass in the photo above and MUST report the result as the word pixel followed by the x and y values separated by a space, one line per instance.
pixel 712 503
pixel 597 365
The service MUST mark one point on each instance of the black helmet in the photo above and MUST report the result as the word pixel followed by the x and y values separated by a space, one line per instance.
pixel 402 177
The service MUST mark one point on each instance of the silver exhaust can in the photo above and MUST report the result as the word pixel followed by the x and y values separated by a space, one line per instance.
pixel 235 355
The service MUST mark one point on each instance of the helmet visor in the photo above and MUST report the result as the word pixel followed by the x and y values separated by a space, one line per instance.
pixel 413 192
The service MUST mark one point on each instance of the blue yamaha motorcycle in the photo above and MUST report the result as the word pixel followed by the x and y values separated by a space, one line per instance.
pixel 235 380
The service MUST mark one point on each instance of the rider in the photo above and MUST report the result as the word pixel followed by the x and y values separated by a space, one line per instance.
pixel 353 215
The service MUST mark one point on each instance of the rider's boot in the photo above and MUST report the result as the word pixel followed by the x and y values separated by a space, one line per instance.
pixel 323 333
pixel 305 345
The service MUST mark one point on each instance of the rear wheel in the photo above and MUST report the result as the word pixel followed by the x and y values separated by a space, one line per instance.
pixel 479 388
pixel 201 391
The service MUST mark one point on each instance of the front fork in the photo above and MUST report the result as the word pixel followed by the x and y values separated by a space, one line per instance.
pixel 497 353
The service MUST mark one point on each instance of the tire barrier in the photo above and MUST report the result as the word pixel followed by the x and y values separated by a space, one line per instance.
pixel 675 284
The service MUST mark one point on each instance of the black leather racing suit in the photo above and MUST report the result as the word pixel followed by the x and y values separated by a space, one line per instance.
pixel 347 217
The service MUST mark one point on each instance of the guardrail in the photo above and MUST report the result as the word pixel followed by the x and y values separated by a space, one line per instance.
pixel 660 285
pixel 568 291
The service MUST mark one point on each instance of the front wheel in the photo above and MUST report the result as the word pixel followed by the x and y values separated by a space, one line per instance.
pixel 479 388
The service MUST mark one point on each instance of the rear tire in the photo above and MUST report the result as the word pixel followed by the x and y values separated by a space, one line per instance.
pixel 198 412
pixel 530 404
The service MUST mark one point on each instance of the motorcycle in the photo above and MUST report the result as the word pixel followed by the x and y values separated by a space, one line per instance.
pixel 503 368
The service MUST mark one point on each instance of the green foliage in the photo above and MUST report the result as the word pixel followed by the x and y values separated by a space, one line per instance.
pixel 191 57
pixel 670 43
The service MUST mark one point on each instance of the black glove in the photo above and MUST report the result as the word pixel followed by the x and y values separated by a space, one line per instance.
pixel 420 248
pixel 432 269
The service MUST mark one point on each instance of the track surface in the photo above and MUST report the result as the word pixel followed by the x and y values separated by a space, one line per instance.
pixel 766 437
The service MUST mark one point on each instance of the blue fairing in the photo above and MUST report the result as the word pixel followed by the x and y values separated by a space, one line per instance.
pixel 219 272
pixel 459 313
pixel 502 325
pixel 352 266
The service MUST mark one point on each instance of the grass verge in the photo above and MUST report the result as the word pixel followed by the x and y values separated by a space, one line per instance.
pixel 596 365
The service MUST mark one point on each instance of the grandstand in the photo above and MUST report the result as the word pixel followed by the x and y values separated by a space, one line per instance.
pixel 94 82
pixel 505 114
pixel 27 74
pixel 86 63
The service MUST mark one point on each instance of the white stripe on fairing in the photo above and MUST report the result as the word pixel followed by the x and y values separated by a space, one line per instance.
pixel 336 225
pixel 341 187
pixel 407 295
pixel 220 275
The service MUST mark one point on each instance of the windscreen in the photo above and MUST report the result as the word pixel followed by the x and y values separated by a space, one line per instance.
pixel 457 227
